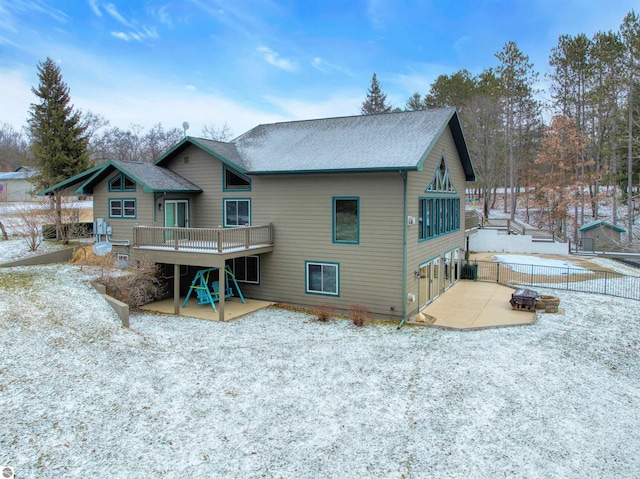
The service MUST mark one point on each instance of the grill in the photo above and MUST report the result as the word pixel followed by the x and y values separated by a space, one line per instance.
pixel 524 299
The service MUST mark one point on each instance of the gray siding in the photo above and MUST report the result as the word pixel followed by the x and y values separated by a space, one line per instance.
pixel 123 228
pixel 205 171
pixel 301 208
pixel 419 252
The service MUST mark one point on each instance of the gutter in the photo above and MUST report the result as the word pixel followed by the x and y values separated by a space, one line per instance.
pixel 403 174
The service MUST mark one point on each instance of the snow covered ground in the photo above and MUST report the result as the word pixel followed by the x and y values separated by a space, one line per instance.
pixel 520 261
pixel 276 394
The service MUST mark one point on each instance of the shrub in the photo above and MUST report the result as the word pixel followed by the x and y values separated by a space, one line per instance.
pixel 359 314
pixel 324 313
pixel 141 284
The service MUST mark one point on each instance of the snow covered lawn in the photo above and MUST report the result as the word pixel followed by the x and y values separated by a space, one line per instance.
pixel 276 394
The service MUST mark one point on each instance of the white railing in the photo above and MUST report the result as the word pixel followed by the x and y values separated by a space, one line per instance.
pixel 216 240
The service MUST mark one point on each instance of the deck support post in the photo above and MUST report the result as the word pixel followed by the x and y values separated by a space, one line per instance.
pixel 176 289
pixel 223 291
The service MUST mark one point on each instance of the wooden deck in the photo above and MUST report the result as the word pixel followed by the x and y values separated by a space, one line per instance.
pixel 211 240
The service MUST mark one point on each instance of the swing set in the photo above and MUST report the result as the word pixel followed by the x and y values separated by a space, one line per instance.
pixel 210 293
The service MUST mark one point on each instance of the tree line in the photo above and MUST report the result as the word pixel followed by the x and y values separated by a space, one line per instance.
pixel 587 153
pixel 564 170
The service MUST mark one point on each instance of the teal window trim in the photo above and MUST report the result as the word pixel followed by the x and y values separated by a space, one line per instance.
pixel 224 211
pixel 225 187
pixel 123 181
pixel 333 219
pixel 123 207
pixel 441 182
pixel 322 264
pixel 437 216
pixel 232 264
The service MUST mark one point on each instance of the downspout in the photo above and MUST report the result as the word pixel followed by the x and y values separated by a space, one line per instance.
pixel 404 248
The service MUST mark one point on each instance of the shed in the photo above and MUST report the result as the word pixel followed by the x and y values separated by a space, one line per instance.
pixel 16 185
pixel 599 235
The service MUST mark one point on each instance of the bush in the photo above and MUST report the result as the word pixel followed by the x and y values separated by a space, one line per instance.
pixel 359 314
pixel 141 285
pixel 324 313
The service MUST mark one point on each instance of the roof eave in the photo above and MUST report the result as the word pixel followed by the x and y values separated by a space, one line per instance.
pixel 335 170
pixel 70 181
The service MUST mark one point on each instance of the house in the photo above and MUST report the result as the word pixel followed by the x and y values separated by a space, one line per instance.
pixel 339 211
pixel 17 186
pixel 599 235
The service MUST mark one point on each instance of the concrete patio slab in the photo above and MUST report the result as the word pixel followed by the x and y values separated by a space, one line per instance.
pixel 475 305
pixel 233 308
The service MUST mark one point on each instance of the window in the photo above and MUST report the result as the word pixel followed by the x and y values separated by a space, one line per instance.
pixel 122 208
pixel 441 182
pixel 237 212
pixel 235 182
pixel 346 220
pixel 322 278
pixel 246 269
pixel 437 216
pixel 122 182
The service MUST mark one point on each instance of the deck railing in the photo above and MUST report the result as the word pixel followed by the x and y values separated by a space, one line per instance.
pixel 217 240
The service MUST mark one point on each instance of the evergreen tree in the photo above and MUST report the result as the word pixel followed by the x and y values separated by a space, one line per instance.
pixel 376 101
pixel 451 91
pixel 58 135
pixel 630 30
pixel 517 78
pixel 414 103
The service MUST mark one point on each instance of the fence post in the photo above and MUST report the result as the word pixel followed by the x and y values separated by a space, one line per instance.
pixel 605 282
pixel 219 238
pixel 175 236
pixel 532 274
pixel 498 274
pixel 246 237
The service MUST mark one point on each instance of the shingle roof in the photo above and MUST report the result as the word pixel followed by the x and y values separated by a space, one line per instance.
pixel 153 178
pixel 385 141
pixel 20 173
pixel 389 141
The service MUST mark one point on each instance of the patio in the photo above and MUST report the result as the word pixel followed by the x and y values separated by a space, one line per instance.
pixel 474 305
pixel 233 308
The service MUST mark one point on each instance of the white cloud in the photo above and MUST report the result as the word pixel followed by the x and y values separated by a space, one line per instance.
pixel 376 13
pixel 94 8
pixel 459 45
pixel 341 104
pixel 15 97
pixel 326 67
pixel 113 11
pixel 121 36
pixel 151 32
pixel 318 64
pixel 274 59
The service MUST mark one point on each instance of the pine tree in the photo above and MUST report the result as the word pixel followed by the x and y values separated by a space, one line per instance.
pixel 376 101
pixel 517 78
pixel 630 29
pixel 58 136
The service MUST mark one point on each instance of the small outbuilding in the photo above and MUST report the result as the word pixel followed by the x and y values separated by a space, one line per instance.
pixel 599 235
pixel 17 185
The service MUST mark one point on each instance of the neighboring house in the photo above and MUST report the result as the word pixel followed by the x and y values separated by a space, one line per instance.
pixel 361 210
pixel 600 236
pixel 17 185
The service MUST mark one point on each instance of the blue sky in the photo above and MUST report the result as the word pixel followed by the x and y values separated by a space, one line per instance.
pixel 247 62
